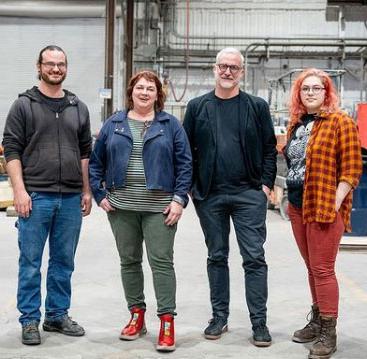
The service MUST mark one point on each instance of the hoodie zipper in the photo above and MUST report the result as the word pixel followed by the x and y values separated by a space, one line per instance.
pixel 58 143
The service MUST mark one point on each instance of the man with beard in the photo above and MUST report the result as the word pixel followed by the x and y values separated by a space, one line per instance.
pixel 234 166
pixel 47 143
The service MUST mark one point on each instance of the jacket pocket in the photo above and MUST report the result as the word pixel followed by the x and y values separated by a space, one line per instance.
pixel 41 165
pixel 71 171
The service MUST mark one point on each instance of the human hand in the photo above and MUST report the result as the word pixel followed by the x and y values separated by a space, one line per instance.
pixel 173 212
pixel 266 190
pixel 86 203
pixel 106 206
pixel 22 203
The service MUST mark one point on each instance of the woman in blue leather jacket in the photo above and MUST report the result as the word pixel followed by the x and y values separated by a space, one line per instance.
pixel 140 173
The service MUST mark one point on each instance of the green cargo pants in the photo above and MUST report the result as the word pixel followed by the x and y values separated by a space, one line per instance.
pixel 130 228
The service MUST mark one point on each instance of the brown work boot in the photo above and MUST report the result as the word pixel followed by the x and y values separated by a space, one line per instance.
pixel 312 329
pixel 325 345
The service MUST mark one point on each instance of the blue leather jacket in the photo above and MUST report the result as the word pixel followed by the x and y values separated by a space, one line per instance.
pixel 166 156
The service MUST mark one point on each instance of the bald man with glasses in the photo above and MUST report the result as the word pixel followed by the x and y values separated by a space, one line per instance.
pixel 234 160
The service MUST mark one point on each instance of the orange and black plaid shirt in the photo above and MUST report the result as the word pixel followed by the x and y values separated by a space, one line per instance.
pixel 333 155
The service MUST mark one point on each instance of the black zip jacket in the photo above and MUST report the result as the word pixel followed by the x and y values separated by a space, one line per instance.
pixel 50 145
pixel 257 137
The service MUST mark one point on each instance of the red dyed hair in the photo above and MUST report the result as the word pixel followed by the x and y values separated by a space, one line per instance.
pixel 297 109
pixel 151 77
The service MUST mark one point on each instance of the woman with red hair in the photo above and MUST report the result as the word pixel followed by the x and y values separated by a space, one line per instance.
pixel 324 165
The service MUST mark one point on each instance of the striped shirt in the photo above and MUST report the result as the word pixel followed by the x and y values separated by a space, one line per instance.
pixel 135 196
pixel 333 155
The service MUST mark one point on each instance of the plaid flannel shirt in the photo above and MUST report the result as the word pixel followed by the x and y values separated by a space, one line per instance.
pixel 333 155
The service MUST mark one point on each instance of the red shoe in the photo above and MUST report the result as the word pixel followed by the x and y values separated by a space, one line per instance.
pixel 136 326
pixel 166 340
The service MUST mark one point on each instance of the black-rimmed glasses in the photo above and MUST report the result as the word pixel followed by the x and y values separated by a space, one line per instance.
pixel 232 68
pixel 50 65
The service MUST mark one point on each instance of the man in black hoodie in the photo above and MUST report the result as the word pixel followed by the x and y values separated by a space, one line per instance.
pixel 47 143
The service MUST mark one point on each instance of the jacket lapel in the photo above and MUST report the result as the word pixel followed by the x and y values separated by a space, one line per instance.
pixel 243 116
pixel 212 114
pixel 122 126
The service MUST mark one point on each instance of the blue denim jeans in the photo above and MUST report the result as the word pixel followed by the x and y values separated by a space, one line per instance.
pixel 248 212
pixel 56 216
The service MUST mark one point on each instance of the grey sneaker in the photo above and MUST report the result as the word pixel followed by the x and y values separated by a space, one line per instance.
pixel 217 326
pixel 31 334
pixel 64 326
pixel 261 336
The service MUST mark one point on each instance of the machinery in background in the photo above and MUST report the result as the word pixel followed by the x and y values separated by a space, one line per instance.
pixel 6 190
pixel 359 210
pixel 278 196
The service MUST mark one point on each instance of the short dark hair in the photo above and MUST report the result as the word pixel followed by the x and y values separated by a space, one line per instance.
pixel 49 48
pixel 149 76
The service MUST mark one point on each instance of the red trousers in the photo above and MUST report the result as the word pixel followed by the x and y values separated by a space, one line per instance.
pixel 319 244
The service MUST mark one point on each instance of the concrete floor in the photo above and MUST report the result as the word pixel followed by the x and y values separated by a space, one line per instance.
pixel 99 306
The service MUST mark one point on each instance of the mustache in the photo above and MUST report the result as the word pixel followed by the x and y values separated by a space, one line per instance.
pixel 235 80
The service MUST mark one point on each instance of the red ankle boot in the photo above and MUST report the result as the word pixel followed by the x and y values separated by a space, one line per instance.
pixel 166 340
pixel 136 325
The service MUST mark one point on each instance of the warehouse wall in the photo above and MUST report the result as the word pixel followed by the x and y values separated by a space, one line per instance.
pixel 217 24
pixel 83 41
pixel 235 23
pixel 213 25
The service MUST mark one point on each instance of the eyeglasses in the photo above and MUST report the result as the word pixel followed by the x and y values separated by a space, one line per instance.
pixel 50 65
pixel 315 89
pixel 233 68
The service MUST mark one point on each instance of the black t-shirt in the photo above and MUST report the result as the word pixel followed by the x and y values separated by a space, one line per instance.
pixel 230 173
pixel 296 153
pixel 54 104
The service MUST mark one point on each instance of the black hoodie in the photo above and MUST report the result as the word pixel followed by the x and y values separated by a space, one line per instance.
pixel 50 145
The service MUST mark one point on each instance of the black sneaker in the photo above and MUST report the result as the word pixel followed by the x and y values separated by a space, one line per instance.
pixel 64 326
pixel 31 334
pixel 261 336
pixel 217 326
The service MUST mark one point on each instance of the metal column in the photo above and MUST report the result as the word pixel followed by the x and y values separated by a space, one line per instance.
pixel 129 40
pixel 109 54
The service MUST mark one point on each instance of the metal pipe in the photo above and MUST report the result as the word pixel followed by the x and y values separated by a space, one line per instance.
pixel 361 79
pixel 146 21
pixel 54 9
pixel 244 38
pixel 109 55
pixel 319 53
pixel 341 22
pixel 340 43
pixel 129 40
pixel 122 55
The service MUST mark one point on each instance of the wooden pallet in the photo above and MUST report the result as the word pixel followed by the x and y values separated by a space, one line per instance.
pixel 6 194
pixel 11 212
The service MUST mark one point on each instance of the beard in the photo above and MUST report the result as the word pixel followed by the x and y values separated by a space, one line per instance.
pixel 46 78
pixel 227 83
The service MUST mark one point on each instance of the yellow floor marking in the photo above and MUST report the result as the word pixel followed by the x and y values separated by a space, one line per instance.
pixel 10 305
pixel 358 292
